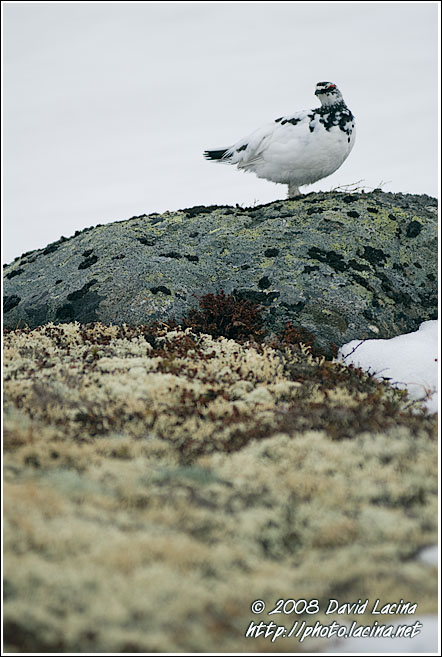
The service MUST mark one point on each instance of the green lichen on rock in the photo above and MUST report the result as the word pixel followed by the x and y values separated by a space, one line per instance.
pixel 342 266
pixel 158 481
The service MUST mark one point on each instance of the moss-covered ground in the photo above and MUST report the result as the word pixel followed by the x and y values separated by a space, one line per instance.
pixel 158 481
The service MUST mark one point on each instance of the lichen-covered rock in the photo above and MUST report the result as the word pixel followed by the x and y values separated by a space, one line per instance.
pixel 341 266
pixel 156 483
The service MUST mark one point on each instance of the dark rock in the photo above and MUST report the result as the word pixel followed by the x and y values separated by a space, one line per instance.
pixel 340 273
pixel 271 253
pixel 413 229
pixel 10 302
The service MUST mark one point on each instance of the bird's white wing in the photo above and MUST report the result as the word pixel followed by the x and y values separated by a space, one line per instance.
pixel 248 151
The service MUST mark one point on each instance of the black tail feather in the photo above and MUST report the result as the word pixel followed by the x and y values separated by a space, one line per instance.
pixel 215 155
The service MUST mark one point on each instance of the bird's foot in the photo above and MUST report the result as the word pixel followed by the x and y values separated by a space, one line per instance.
pixel 293 192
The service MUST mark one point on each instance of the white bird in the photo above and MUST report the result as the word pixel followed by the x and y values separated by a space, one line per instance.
pixel 298 149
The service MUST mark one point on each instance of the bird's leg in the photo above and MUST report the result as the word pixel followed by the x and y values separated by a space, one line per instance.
pixel 293 191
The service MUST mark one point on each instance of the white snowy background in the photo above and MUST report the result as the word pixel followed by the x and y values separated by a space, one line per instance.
pixel 108 107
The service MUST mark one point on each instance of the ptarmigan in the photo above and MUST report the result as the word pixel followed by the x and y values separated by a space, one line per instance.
pixel 298 149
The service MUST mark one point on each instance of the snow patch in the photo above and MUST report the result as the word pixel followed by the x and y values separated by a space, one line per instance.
pixel 408 361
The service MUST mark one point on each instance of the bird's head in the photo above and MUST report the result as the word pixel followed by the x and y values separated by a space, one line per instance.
pixel 328 93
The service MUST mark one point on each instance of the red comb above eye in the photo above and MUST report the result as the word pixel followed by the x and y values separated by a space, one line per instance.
pixel 332 86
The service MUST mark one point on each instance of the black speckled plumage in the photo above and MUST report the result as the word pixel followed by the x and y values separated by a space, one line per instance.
pixel 297 149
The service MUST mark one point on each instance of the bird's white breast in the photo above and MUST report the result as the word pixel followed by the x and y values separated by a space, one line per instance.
pixel 300 150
